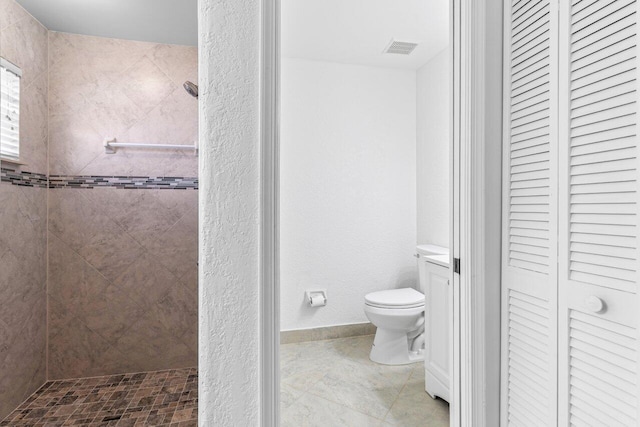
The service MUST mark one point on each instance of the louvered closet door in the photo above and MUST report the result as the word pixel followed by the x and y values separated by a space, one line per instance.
pixel 598 255
pixel 529 251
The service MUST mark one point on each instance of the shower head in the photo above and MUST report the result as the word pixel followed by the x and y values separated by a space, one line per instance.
pixel 191 88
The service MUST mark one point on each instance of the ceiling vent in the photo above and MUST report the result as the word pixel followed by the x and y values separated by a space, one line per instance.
pixel 400 48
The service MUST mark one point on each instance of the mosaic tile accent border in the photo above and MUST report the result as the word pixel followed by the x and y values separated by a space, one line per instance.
pixel 124 182
pixel 23 178
pixel 32 179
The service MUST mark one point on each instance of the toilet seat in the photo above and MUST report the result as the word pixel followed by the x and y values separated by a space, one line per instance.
pixel 395 299
pixel 393 311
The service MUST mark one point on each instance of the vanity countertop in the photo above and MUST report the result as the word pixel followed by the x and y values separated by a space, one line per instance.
pixel 442 259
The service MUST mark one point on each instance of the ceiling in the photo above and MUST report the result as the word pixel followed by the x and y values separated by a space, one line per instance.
pixel 347 31
pixel 357 31
pixel 160 21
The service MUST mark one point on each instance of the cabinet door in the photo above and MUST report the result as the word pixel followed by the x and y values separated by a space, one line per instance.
pixel 598 256
pixel 438 326
pixel 529 248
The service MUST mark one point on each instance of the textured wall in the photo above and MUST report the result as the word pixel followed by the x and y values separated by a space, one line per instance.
pixel 23 211
pixel 229 213
pixel 347 187
pixel 433 110
pixel 122 263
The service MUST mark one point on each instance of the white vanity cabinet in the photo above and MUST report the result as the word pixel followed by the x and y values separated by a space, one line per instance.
pixel 438 296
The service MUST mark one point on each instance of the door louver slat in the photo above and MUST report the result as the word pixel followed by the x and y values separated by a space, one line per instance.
pixel 603 356
pixel 529 130
pixel 603 144
pixel 528 356
pixel 530 207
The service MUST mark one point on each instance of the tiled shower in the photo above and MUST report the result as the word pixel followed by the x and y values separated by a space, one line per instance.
pixel 98 252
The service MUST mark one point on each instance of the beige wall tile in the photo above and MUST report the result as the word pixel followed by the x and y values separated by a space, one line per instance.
pixel 22 293
pixel 177 247
pixel 179 63
pixel 147 281
pixel 23 41
pixel 10 13
pixel 116 262
pixel 76 352
pixel 122 290
pixel 131 91
pixel 69 130
pixel 25 44
pixel 150 345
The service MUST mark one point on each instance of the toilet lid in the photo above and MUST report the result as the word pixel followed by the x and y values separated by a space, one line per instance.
pixel 395 298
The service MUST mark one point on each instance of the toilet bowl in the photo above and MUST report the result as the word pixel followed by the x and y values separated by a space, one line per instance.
pixel 398 315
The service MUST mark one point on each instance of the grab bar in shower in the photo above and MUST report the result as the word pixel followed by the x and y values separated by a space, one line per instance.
pixel 110 146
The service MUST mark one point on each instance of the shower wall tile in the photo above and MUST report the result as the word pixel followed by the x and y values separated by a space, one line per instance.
pixel 132 91
pixel 109 58
pixel 175 311
pixel 11 13
pixel 176 62
pixel 106 271
pixel 145 84
pixel 69 130
pixel 121 293
pixel 176 247
pixel 74 219
pixel 22 293
pixel 170 122
pixel 25 44
pixel 23 41
pixel 111 111
pixel 147 281
pixel 78 349
pixel 23 213
pixel 150 211
pixel 87 294
pixel 122 262
pixel 191 280
pixel 148 343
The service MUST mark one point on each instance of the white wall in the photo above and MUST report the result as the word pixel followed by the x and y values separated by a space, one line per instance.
pixel 433 150
pixel 229 349
pixel 348 187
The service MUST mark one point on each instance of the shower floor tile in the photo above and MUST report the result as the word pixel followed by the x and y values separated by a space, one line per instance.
pixel 162 398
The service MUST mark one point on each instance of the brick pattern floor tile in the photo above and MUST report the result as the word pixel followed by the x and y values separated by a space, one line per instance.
pixel 163 398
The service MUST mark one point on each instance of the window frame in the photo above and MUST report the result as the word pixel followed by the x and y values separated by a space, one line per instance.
pixel 15 70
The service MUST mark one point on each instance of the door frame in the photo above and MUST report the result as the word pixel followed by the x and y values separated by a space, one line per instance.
pixel 477 191
pixel 269 211
pixel 476 126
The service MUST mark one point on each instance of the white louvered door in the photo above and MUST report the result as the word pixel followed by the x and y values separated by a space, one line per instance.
pixel 571 250
pixel 529 273
pixel 598 222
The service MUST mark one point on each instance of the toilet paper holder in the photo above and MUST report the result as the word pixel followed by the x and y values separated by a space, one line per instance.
pixel 316 298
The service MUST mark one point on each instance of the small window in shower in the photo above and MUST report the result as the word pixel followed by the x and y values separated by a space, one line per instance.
pixel 10 76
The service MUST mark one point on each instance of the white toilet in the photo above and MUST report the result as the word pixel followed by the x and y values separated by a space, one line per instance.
pixel 399 316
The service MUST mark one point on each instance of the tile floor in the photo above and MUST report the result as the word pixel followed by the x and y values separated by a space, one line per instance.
pixel 333 383
pixel 163 398
pixel 328 383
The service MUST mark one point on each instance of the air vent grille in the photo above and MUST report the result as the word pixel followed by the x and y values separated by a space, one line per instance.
pixel 400 48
